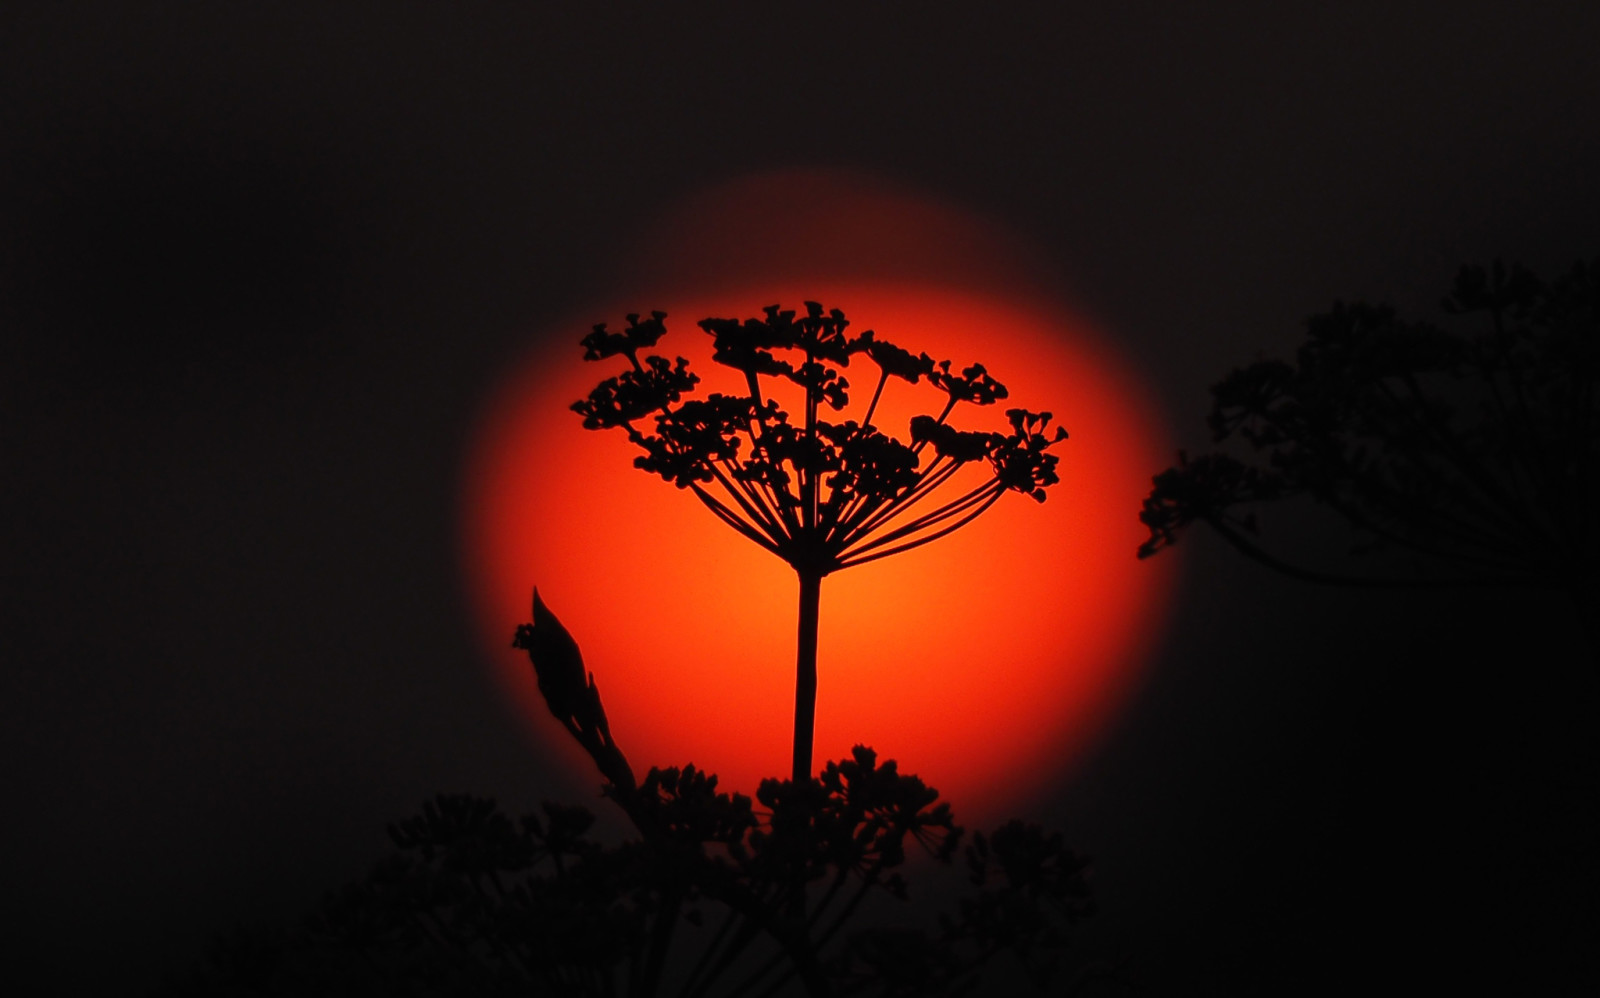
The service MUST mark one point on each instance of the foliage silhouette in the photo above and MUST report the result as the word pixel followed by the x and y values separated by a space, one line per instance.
pixel 476 902
pixel 821 495
pixel 1473 451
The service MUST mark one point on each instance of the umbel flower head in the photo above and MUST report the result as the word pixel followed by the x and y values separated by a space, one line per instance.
pixel 821 493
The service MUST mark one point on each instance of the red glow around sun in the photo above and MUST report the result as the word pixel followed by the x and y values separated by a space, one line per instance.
pixel 983 661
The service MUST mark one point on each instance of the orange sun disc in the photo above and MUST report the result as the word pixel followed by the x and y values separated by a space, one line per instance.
pixel 984 661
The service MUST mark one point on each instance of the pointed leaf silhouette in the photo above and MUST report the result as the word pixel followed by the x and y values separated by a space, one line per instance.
pixel 556 661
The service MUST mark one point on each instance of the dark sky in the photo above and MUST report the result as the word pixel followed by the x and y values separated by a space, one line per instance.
pixel 258 269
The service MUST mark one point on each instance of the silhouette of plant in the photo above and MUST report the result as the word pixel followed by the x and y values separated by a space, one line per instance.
pixel 821 495
pixel 1470 451
pixel 478 903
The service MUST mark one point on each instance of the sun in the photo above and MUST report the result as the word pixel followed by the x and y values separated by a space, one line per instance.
pixel 984 661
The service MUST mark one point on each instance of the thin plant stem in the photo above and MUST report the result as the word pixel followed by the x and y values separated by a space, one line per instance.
pixel 930 537
pixel 805 687
pixel 883 378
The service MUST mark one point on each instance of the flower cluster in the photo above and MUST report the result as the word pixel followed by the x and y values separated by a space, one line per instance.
pixel 1460 454
pixel 822 494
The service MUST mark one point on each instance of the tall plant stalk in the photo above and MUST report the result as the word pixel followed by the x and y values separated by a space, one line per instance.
pixel 823 495
pixel 805 669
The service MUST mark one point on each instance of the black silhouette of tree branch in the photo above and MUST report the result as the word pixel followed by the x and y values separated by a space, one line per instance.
pixel 820 494
pixel 1471 450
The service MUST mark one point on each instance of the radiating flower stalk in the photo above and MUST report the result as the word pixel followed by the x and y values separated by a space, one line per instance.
pixel 823 495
